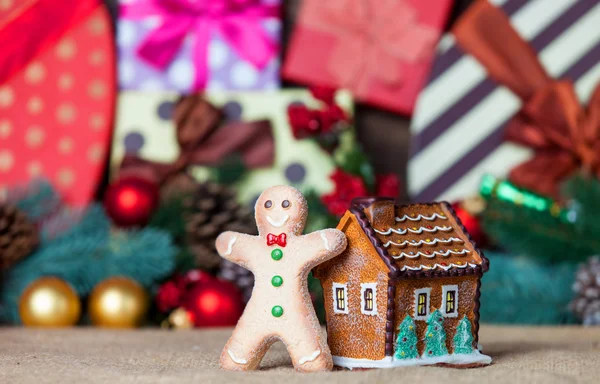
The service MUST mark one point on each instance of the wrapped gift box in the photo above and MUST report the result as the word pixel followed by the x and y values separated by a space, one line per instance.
pixel 187 46
pixel 57 94
pixel 460 126
pixel 144 127
pixel 381 50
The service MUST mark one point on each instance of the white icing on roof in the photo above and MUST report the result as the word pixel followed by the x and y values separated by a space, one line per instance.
pixel 401 231
pixel 421 217
pixel 444 267
pixel 431 255
pixel 421 242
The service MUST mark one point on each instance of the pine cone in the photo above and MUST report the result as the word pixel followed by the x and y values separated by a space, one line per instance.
pixel 241 277
pixel 213 209
pixel 586 304
pixel 18 236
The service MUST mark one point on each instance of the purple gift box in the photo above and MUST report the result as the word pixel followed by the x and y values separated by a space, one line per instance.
pixel 190 45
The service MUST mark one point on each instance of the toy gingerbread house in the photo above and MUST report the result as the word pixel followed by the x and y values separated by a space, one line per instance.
pixel 406 289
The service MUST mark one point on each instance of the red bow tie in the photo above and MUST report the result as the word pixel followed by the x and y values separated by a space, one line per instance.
pixel 279 240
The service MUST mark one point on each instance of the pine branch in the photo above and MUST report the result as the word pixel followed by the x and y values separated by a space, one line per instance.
pixel 87 254
pixel 538 234
pixel 518 290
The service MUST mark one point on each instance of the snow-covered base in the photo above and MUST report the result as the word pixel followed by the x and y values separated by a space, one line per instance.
pixel 474 358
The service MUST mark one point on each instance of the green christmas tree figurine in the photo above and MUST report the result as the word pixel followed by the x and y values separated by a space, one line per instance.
pixel 463 340
pixel 435 336
pixel 406 343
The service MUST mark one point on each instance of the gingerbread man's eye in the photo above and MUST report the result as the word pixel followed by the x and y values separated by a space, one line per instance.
pixel 268 204
pixel 286 203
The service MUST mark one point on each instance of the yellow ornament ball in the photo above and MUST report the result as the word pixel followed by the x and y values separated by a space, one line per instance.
pixel 49 302
pixel 118 302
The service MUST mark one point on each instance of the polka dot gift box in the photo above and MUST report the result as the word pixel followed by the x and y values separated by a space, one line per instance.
pixel 57 94
pixel 190 45
pixel 145 128
pixel 469 119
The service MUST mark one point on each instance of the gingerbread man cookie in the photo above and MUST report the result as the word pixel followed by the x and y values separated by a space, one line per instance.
pixel 280 308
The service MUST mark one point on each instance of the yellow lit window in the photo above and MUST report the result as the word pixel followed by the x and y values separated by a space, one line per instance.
pixel 422 304
pixel 340 299
pixel 450 301
pixel 368 299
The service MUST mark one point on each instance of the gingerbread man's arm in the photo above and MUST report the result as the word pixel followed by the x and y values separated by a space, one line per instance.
pixel 234 246
pixel 328 242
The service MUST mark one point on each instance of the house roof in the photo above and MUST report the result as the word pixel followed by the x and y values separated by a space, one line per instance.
pixel 419 240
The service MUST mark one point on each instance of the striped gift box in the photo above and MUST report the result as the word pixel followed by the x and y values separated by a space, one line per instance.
pixel 461 115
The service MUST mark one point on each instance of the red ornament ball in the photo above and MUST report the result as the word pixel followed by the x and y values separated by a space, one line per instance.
pixel 213 303
pixel 130 201
pixel 472 223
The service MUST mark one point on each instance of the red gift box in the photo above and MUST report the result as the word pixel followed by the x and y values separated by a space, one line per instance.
pixel 381 50
pixel 57 94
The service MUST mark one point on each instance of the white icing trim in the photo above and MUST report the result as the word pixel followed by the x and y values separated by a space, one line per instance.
pixel 230 246
pixel 325 241
pixel 310 358
pixel 363 288
pixel 278 224
pixel 445 268
pixel 473 358
pixel 419 217
pixel 445 290
pixel 333 295
pixel 236 360
pixel 421 242
pixel 427 301
pixel 431 255
pixel 400 231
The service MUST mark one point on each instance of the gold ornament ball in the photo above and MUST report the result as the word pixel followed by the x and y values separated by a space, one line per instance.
pixel 118 302
pixel 180 319
pixel 49 302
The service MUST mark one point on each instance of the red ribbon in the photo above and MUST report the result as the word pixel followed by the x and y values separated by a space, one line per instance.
pixel 564 134
pixel 35 26
pixel 280 239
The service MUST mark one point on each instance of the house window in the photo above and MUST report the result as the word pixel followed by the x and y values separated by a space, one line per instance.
pixel 340 298
pixel 422 303
pixel 368 298
pixel 450 300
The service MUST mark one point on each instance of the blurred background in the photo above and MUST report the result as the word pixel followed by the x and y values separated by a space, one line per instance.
pixel 133 132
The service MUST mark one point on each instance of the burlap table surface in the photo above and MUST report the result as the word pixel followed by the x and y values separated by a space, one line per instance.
pixel 91 355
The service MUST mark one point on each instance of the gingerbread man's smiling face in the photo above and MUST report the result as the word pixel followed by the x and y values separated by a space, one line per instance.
pixel 281 209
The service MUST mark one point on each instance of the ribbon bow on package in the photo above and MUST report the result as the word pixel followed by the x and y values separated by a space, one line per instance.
pixel 380 50
pixel 232 44
pixel 514 92
pixel 564 134
pixel 205 140
pixel 57 94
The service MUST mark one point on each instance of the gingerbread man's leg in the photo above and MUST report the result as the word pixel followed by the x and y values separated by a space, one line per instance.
pixel 245 349
pixel 308 349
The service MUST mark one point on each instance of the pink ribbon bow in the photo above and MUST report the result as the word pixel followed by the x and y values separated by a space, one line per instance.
pixel 373 36
pixel 238 22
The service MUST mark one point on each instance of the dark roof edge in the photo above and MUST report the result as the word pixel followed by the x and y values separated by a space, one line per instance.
pixel 357 208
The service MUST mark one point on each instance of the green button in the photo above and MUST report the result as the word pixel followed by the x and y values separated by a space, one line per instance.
pixel 277 311
pixel 276 254
pixel 277 281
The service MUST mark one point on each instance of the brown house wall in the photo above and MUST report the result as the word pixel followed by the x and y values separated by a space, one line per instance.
pixel 405 304
pixel 355 334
